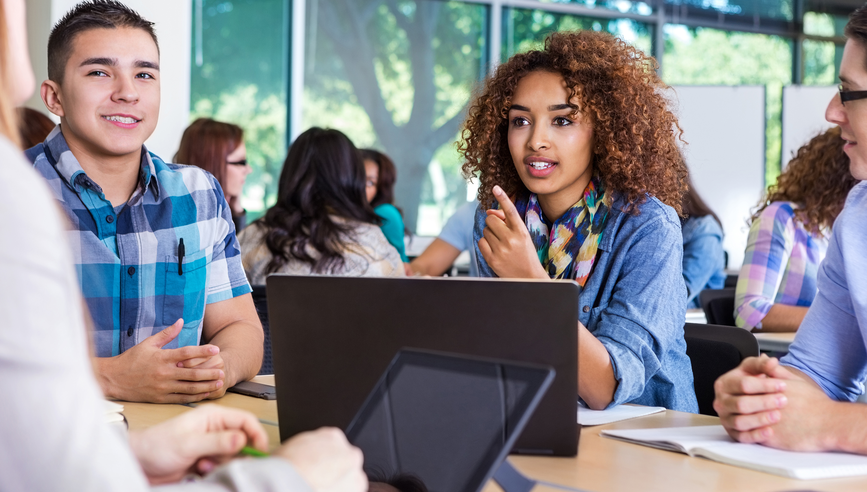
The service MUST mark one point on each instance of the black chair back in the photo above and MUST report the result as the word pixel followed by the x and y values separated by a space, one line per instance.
pixel 260 299
pixel 714 350
pixel 718 306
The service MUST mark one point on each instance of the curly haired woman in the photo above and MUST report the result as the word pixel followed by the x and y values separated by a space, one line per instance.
pixel 578 136
pixel 789 236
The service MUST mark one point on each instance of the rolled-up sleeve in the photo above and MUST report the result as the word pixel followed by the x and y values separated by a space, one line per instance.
pixel 643 320
pixel 829 345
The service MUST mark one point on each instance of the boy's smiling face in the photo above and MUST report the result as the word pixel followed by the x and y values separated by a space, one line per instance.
pixel 109 100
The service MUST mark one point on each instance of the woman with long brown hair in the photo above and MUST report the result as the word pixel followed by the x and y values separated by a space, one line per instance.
pixel 575 150
pixel 789 236
pixel 703 254
pixel 219 148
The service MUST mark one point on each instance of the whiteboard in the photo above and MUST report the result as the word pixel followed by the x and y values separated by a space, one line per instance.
pixel 724 127
pixel 803 116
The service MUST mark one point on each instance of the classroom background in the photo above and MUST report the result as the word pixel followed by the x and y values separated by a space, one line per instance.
pixel 751 79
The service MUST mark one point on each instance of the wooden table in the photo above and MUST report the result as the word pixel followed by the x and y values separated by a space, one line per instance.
pixel 602 464
pixel 775 342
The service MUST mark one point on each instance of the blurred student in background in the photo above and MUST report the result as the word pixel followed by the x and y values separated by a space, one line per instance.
pixel 322 223
pixel 219 148
pixel 703 255
pixel 455 238
pixel 380 176
pixel 789 236
pixel 33 127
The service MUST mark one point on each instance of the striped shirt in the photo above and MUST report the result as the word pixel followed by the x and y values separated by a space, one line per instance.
pixel 781 263
pixel 135 277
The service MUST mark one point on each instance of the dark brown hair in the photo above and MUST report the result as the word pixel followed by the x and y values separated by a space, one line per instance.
pixel 615 84
pixel 323 177
pixel 207 143
pixel 817 180
pixel 93 14
pixel 694 206
pixel 856 28
pixel 33 127
pixel 387 176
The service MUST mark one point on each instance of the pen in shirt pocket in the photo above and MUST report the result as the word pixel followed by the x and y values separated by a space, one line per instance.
pixel 181 256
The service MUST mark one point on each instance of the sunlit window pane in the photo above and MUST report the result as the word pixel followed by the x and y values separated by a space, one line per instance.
pixel 525 29
pixel 705 56
pixel 398 76
pixel 238 75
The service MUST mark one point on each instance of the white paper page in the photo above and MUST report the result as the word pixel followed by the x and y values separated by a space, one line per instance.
pixel 685 438
pixel 587 416
pixel 804 466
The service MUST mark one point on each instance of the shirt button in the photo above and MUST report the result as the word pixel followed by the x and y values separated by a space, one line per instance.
pixel 129 332
pixel 109 219
pixel 586 309
pixel 131 270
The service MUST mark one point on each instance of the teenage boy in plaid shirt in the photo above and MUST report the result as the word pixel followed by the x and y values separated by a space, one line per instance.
pixel 154 244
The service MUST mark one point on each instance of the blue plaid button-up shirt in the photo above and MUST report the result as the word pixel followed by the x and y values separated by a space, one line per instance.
pixel 133 275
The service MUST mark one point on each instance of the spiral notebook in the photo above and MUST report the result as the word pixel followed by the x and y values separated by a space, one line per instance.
pixel 712 442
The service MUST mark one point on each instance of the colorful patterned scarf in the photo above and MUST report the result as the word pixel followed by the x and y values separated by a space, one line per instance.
pixel 569 249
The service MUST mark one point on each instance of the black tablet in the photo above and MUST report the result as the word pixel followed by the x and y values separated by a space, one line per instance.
pixel 444 420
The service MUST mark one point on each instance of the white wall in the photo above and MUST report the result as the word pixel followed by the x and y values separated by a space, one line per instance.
pixel 724 128
pixel 173 23
pixel 803 116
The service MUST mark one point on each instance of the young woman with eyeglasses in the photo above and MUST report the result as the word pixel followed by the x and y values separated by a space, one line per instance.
pixel 219 148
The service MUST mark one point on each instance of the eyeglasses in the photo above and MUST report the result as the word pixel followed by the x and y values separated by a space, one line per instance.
pixel 243 162
pixel 850 95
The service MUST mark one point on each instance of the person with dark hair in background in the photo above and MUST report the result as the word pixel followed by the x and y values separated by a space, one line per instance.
pixel 155 248
pixel 789 236
pixel 33 127
pixel 219 148
pixel 581 179
pixel 703 255
pixel 381 174
pixel 322 223
pixel 805 401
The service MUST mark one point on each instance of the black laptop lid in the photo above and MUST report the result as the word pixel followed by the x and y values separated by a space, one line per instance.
pixel 332 338
pixel 447 420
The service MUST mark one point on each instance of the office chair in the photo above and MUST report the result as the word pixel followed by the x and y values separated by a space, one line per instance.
pixel 260 299
pixel 731 281
pixel 718 305
pixel 714 350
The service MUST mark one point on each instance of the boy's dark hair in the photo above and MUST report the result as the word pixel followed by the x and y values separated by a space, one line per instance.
pixel 856 28
pixel 93 14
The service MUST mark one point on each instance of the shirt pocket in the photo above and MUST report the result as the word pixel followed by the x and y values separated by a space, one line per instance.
pixel 184 293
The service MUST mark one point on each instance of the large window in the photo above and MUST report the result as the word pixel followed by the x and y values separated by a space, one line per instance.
pixel 397 75
pixel 525 29
pixel 239 75
pixel 703 56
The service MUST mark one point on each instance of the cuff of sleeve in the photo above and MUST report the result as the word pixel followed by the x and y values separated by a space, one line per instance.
pixel 259 474
pixel 629 372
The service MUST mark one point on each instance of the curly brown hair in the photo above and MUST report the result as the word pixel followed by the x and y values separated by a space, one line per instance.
pixel 817 180
pixel 635 148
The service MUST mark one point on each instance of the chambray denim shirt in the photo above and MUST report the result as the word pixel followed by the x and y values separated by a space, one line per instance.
pixel 633 303
pixel 703 257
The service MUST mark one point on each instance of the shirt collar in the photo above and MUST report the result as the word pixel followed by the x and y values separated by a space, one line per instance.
pixel 69 168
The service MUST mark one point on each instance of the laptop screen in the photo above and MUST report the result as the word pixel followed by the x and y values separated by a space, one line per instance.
pixel 446 421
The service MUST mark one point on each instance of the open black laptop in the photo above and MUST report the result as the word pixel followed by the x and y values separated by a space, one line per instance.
pixel 445 420
pixel 332 337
